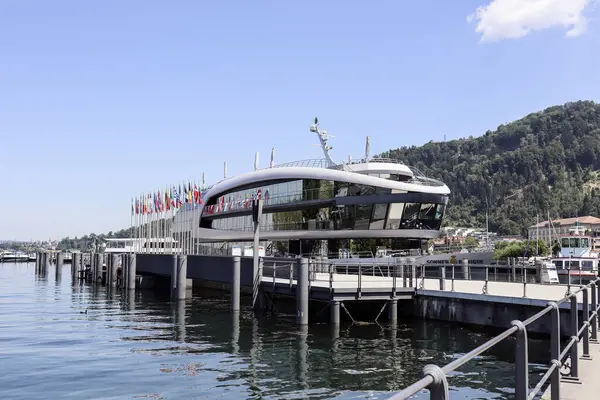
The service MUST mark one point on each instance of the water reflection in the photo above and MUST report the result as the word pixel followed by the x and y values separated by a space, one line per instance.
pixel 198 348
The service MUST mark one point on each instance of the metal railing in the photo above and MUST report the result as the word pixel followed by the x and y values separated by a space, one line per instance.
pixel 435 379
pixel 521 274
pixel 399 275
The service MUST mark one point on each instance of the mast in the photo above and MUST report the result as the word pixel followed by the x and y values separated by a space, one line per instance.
pixel 537 234
pixel 323 137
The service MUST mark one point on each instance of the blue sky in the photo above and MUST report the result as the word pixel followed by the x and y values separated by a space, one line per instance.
pixel 100 101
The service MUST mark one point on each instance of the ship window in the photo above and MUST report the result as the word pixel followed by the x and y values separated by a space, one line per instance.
pixel 427 211
pixel 565 243
pixel 558 264
pixel 395 215
pixel 410 218
pixel 379 211
pixel 587 264
pixel 585 242
pixel 439 213
pixel 363 215
pixel 573 242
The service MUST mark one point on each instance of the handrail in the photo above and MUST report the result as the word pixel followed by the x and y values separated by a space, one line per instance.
pixel 435 378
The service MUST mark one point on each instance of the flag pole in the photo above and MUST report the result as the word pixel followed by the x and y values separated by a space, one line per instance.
pixel 131 227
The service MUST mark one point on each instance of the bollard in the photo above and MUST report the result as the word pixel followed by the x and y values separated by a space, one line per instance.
pixel 594 321
pixel 521 362
pixel 586 323
pixel 131 272
pixel 302 292
pixel 181 276
pixel 174 267
pixel 393 311
pixel 555 351
pixel 236 283
pixel 334 312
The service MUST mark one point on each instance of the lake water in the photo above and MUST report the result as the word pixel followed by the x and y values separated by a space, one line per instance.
pixel 65 341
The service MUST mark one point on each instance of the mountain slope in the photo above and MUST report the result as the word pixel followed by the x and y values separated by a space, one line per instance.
pixel 546 161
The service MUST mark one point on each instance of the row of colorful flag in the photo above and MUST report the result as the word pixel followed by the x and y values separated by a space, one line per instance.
pixel 174 197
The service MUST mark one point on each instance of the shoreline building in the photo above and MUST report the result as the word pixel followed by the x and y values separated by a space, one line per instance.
pixel 549 232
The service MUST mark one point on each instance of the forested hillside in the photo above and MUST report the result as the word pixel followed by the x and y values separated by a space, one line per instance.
pixel 545 161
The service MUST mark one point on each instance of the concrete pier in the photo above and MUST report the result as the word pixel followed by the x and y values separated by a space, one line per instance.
pixel 131 272
pixel 181 276
pixel 302 292
pixel 236 284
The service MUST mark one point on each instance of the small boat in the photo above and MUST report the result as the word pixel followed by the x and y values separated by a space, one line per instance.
pixel 576 258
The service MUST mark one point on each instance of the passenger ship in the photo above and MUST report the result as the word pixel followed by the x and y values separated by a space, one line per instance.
pixel 576 257
pixel 318 206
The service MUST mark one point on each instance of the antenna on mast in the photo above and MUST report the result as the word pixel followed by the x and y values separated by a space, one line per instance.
pixel 323 137
pixel 256 161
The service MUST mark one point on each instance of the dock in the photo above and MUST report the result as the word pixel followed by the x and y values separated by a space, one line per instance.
pixel 565 313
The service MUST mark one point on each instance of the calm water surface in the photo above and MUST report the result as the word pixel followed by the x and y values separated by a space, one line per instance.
pixel 79 342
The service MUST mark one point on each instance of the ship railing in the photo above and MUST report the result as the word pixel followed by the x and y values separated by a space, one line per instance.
pixel 435 378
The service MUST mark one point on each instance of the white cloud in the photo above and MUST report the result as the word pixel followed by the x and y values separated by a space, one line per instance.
pixel 511 19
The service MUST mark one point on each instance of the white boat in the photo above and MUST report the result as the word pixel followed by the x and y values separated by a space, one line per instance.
pixel 142 245
pixel 13 256
pixel 576 258
pixel 318 206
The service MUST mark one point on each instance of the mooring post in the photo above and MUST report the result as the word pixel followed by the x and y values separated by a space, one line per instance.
pixel 95 257
pixel 109 261
pixel 182 261
pixel 521 362
pixel 59 265
pixel 174 268
pixel 393 311
pixel 302 292
pixel 334 312
pixel 236 283
pixel 131 272
pixel 443 278
pixel 114 262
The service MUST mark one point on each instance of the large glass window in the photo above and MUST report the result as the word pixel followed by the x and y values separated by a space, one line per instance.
pixel 378 218
pixel 341 217
pixel 395 216
pixel 410 218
